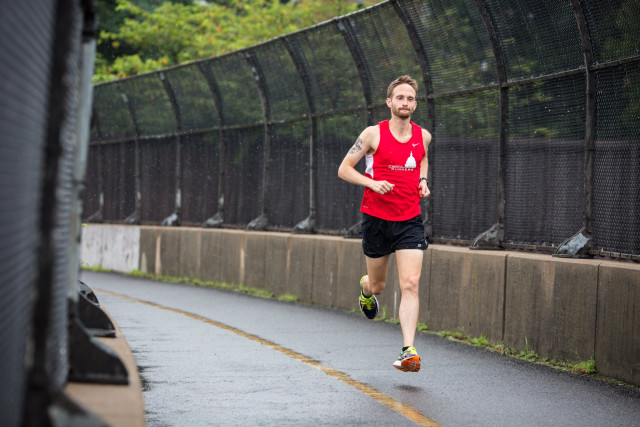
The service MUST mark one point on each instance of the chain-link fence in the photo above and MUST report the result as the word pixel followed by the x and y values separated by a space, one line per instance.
pixel 534 108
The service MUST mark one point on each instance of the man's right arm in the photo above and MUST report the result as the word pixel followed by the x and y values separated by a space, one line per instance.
pixel 347 170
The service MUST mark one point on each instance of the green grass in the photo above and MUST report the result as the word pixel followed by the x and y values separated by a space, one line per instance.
pixel 288 298
pixel 453 335
pixel 95 268
pixel 262 293
pixel 579 367
pixel 482 341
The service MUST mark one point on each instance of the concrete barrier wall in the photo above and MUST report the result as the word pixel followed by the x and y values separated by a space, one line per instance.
pixel 560 308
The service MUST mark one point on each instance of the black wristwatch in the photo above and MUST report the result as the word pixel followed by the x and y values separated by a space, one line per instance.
pixel 425 180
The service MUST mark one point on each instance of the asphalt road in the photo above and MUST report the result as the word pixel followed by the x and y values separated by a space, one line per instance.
pixel 209 357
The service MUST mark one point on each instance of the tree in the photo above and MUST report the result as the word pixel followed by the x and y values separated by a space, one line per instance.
pixel 151 38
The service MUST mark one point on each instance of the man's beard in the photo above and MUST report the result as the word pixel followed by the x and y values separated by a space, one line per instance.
pixel 403 114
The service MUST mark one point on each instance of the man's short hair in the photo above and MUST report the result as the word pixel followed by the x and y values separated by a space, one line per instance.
pixel 402 80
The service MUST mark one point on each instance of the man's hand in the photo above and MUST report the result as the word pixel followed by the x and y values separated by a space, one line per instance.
pixel 381 187
pixel 423 189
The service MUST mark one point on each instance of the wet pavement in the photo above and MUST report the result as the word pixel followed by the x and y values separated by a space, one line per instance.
pixel 209 357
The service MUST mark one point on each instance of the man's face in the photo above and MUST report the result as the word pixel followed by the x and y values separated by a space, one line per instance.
pixel 403 101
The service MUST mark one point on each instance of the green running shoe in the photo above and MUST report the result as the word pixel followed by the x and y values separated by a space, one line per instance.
pixel 369 306
pixel 408 361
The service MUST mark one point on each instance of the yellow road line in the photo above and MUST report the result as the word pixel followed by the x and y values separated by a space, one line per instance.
pixel 396 405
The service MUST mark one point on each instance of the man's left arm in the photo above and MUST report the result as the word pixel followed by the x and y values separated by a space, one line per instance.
pixel 424 165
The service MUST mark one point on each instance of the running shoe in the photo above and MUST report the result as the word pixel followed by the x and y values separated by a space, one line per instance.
pixel 408 361
pixel 369 306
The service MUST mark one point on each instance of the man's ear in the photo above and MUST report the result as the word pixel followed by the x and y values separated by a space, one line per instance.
pixel 389 102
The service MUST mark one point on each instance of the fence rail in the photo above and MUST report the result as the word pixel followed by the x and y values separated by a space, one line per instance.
pixel 534 108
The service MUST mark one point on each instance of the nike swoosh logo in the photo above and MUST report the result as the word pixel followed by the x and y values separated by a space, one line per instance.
pixel 415 144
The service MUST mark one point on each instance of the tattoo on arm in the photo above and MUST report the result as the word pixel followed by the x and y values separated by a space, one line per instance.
pixel 357 146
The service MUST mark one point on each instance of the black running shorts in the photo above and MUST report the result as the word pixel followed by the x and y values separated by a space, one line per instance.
pixel 381 237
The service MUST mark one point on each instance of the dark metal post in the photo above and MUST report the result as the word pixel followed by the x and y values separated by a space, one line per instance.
pixel 344 26
pixel 580 244
pixel 218 218
pixel 98 215
pixel 421 54
pixel 492 238
pixel 174 218
pixel 261 222
pixel 134 218
pixel 304 71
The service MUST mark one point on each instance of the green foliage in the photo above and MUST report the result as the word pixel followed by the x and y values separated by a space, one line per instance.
pixel 262 293
pixel 95 268
pixel 422 327
pixel 155 37
pixel 579 367
pixel 453 335
pixel 585 368
pixel 288 298
pixel 482 341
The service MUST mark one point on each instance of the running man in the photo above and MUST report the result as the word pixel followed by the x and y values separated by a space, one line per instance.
pixel 395 180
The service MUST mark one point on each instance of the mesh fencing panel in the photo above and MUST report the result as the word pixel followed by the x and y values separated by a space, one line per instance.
pixel 466 161
pixel 240 99
pixel 616 175
pixel 158 179
pixel 24 90
pixel 613 29
pixel 200 171
pixel 151 105
pixel 322 86
pixel 118 180
pixel 387 52
pixel 243 183
pixel 545 161
pixel 338 201
pixel 111 115
pixel 288 182
pixel 334 84
pixel 455 42
pixel 282 83
pixel 91 199
pixel 537 37
pixel 196 107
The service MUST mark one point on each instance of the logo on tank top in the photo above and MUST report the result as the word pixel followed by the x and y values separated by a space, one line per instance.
pixel 409 165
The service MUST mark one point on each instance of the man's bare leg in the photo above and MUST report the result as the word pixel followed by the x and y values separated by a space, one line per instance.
pixel 409 269
pixel 376 278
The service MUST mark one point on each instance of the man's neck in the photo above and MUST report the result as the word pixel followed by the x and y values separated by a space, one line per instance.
pixel 400 127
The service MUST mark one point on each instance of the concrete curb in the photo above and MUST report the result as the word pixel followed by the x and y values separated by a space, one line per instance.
pixel 116 405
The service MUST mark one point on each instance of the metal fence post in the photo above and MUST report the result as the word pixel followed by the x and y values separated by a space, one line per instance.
pixel 134 218
pixel 262 221
pixel 98 215
pixel 428 89
pixel 492 238
pixel 307 225
pixel 174 218
pixel 344 27
pixel 580 244
pixel 218 219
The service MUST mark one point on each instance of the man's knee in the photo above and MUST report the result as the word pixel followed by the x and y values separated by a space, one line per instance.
pixel 376 286
pixel 410 285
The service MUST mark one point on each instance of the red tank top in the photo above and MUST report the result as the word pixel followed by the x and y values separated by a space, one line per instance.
pixel 399 164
